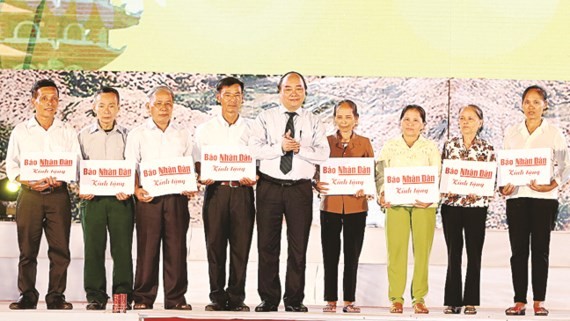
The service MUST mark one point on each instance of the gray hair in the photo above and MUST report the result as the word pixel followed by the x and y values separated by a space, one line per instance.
pixel 160 88
pixel 478 111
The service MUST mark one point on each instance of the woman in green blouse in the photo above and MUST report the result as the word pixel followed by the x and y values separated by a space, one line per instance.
pixel 410 149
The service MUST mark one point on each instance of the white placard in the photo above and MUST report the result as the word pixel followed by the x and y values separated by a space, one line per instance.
pixel 347 175
pixel 405 185
pixel 167 176
pixel 468 177
pixel 520 166
pixel 226 163
pixel 39 165
pixel 106 177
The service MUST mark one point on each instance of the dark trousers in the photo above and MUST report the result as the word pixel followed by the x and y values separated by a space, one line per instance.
pixel 97 216
pixel 274 201
pixel 165 219
pixel 352 226
pixel 530 221
pixel 36 213
pixel 456 221
pixel 229 215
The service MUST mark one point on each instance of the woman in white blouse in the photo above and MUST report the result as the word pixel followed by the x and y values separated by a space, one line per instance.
pixel 532 209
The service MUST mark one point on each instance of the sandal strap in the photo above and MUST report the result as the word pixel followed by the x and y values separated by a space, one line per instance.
pixel 351 308
pixel 396 307
pixel 329 308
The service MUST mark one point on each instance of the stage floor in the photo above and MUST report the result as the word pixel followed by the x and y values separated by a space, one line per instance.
pixel 159 314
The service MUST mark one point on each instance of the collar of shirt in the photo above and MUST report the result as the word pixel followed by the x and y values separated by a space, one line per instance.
pixel 476 142
pixel 524 130
pixel 284 110
pixel 150 124
pixel 33 123
pixel 339 142
pixel 417 144
pixel 96 127
pixel 223 122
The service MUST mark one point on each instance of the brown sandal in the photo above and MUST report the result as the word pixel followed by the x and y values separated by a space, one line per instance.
pixel 420 308
pixel 330 308
pixel 540 311
pixel 396 307
pixel 470 309
pixel 517 309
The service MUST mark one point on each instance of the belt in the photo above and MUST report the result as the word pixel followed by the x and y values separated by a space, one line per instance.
pixel 283 182
pixel 46 191
pixel 232 184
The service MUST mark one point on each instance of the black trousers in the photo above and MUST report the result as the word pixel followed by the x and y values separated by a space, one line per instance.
pixel 352 227
pixel 456 221
pixel 163 220
pixel 530 222
pixel 35 213
pixel 229 215
pixel 274 201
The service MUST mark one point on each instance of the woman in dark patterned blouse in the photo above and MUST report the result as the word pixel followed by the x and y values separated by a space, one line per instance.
pixel 465 213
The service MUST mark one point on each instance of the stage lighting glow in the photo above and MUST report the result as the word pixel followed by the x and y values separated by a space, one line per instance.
pixel 12 188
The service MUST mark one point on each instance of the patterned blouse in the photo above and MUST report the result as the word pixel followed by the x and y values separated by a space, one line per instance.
pixel 480 151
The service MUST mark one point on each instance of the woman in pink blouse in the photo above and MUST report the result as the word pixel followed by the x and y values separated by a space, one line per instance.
pixel 465 214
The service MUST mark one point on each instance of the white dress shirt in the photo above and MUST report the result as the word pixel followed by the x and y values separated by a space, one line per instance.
pixel 148 142
pixel 217 131
pixel 97 144
pixel 29 136
pixel 545 136
pixel 266 138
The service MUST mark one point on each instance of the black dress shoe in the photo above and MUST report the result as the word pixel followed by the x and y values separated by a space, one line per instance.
pixel 142 306
pixel 296 308
pixel 241 307
pixel 215 306
pixel 265 306
pixel 59 303
pixel 23 303
pixel 181 306
pixel 96 306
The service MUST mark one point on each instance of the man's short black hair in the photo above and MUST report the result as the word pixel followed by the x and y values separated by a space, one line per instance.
pixel 227 82
pixel 41 84
pixel 287 74
pixel 106 90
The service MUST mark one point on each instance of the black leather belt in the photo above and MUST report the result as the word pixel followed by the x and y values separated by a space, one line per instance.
pixel 283 182
pixel 46 191
pixel 232 184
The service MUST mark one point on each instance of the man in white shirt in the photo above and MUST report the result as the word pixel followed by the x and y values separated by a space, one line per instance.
pixel 229 211
pixel 288 141
pixel 163 219
pixel 43 205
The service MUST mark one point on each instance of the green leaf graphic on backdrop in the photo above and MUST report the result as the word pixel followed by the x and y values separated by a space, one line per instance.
pixel 71 35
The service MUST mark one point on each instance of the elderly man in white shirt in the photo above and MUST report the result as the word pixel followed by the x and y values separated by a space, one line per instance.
pixel 163 219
